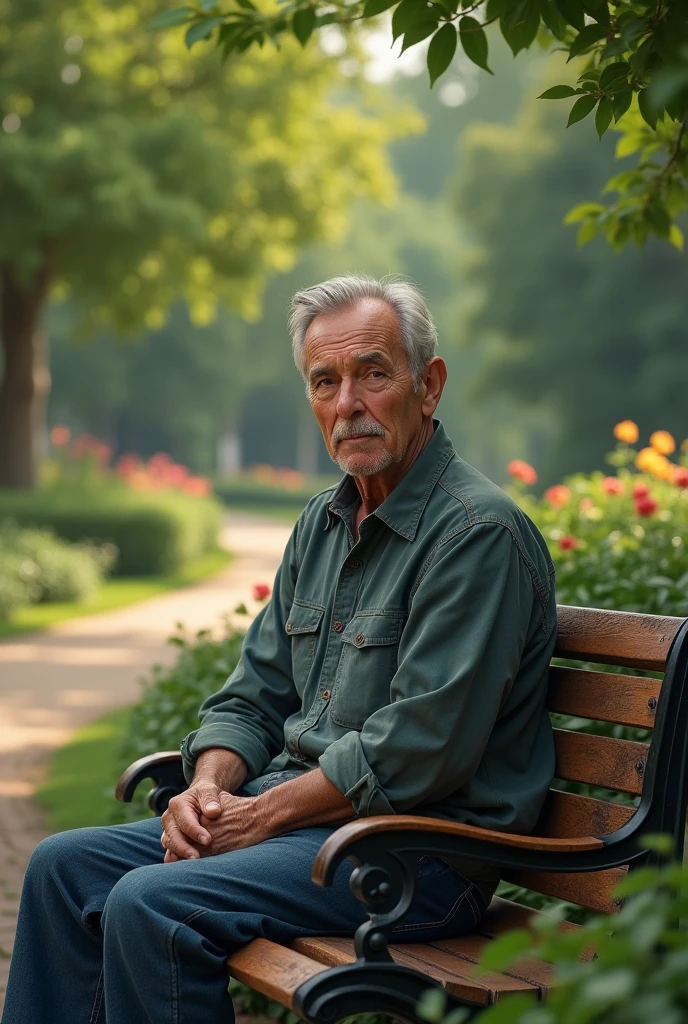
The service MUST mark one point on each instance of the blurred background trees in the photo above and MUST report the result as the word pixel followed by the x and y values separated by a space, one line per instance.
pixel 134 175
pixel 221 189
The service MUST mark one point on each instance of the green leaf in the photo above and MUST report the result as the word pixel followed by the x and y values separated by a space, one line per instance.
pixel 658 218
pixel 496 8
pixel 580 109
pixel 582 211
pixel 374 7
pixel 552 19
pixel 441 52
pixel 621 102
pixel 615 76
pixel 676 237
pixel 508 1010
pixel 572 13
pixel 586 37
pixel 599 10
pixel 557 92
pixel 418 32
pixel 168 19
pixel 407 14
pixel 647 108
pixel 520 24
pixel 603 116
pixel 502 952
pixel 474 41
pixel 303 24
pixel 247 5
pixel 201 30
pixel 588 230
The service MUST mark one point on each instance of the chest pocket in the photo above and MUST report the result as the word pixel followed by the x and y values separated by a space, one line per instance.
pixel 302 626
pixel 367 664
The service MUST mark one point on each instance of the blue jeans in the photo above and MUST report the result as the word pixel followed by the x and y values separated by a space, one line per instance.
pixel 108 933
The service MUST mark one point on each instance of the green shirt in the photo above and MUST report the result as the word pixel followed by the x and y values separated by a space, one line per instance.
pixel 411 663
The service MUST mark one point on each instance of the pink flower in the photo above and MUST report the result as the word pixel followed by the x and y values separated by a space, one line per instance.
pixel 568 543
pixel 59 436
pixel 196 485
pixel 558 495
pixel 681 476
pixel 261 591
pixel 612 485
pixel 522 471
pixel 645 505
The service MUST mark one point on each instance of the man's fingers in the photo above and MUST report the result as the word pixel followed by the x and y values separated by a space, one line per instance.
pixel 177 843
pixel 209 800
pixel 186 819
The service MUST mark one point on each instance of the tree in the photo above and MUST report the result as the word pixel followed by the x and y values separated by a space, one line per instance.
pixel 588 340
pixel 635 56
pixel 133 174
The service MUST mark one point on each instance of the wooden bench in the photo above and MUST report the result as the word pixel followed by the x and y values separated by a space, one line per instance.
pixel 581 848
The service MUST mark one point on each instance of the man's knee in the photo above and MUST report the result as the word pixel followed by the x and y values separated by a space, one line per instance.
pixel 141 897
pixel 53 855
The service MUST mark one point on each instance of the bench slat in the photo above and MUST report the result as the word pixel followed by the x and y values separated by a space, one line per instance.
pixel 276 971
pixel 569 814
pixel 590 889
pixel 626 700
pixel 600 760
pixel 615 638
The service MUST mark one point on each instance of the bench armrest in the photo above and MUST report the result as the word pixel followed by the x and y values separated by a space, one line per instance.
pixel 166 771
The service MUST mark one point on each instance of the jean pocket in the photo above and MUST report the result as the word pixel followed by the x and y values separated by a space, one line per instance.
pixel 445 904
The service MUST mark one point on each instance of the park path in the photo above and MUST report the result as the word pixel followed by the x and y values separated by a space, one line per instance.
pixel 54 682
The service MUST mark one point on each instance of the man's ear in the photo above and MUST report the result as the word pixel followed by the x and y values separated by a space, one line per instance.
pixel 434 379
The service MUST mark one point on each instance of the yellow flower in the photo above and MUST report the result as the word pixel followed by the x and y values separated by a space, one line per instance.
pixel 626 431
pixel 649 460
pixel 663 442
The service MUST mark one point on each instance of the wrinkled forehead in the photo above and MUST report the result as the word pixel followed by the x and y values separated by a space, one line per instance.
pixel 343 337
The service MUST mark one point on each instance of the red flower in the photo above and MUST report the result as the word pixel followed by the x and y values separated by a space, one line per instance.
pixel 558 495
pixel 60 436
pixel 522 471
pixel 681 476
pixel 645 505
pixel 640 490
pixel 261 591
pixel 568 543
pixel 612 485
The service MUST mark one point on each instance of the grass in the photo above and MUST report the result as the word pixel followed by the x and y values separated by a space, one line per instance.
pixel 115 593
pixel 80 787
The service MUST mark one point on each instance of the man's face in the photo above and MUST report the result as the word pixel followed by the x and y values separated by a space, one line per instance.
pixel 360 387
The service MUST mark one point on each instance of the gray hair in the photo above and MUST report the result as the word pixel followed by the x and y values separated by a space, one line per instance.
pixel 416 326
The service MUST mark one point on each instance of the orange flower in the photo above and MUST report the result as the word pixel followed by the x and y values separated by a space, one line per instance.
pixel 558 495
pixel 681 476
pixel 646 506
pixel 522 471
pixel 59 436
pixel 196 485
pixel 261 591
pixel 612 485
pixel 663 442
pixel 568 543
pixel 626 431
pixel 648 460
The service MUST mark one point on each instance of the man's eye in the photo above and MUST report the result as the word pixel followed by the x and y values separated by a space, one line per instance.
pixel 377 373
pixel 323 381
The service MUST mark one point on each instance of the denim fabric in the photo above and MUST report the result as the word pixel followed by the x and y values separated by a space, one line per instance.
pixel 107 932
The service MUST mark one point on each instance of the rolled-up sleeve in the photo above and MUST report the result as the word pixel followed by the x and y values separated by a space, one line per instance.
pixel 459 654
pixel 247 715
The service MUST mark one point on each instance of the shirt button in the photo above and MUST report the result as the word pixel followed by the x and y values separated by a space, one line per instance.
pixel 326 695
pixel 354 563
pixel 289 627
pixel 359 639
pixel 337 626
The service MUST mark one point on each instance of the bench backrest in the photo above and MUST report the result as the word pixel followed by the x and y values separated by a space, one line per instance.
pixel 619 766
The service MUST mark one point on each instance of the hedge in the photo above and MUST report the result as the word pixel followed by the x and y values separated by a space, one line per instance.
pixel 248 491
pixel 154 533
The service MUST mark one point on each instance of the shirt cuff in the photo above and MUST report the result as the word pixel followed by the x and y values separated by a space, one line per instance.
pixel 344 764
pixel 224 737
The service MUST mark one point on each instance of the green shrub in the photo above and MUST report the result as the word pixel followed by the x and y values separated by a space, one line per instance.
pixel 248 490
pixel 155 533
pixel 168 709
pixel 36 566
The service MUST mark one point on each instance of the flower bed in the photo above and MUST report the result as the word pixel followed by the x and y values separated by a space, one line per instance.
pixel 621 540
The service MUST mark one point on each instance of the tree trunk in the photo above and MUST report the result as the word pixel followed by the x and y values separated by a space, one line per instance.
pixel 20 310
pixel 228 449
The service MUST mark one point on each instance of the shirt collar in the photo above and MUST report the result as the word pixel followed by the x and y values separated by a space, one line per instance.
pixel 402 509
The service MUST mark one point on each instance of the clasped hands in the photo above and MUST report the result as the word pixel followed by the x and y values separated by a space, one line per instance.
pixel 204 821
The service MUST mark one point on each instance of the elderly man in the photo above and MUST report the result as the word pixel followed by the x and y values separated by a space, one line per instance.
pixel 401 665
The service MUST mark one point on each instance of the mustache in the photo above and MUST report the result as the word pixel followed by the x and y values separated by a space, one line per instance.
pixel 365 427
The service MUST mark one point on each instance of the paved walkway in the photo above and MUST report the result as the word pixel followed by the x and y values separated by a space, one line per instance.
pixel 55 682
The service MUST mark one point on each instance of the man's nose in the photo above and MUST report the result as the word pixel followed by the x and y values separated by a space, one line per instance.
pixel 348 400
